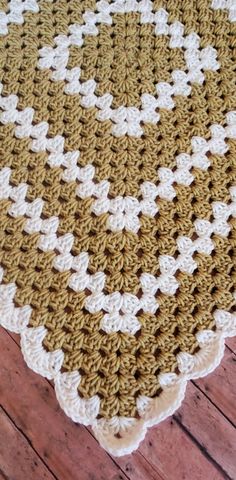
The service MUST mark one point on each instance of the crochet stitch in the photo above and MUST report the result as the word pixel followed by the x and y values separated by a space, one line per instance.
pixel 118 201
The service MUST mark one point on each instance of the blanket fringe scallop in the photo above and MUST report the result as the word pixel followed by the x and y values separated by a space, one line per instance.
pixel 118 435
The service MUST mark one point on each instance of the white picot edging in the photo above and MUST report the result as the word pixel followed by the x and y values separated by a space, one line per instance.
pixel 124 211
pixel 229 5
pixel 127 120
pixel 118 435
pixel 16 8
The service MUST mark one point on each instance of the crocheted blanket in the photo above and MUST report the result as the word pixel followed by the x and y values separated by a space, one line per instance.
pixel 118 200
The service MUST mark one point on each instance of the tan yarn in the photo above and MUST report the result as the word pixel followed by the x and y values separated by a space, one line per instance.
pixel 127 60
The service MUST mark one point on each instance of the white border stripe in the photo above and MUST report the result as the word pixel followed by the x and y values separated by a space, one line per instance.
pixel 152 411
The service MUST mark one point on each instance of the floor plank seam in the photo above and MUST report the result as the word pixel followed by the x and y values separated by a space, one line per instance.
pixel 175 417
pixel 231 350
pixel 152 466
pixel 112 459
pixel 3 475
pixel 12 337
pixel 202 448
pixel 214 404
pixel 52 386
pixel 29 442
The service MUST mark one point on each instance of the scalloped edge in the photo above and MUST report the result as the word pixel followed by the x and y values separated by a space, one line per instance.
pixel 118 435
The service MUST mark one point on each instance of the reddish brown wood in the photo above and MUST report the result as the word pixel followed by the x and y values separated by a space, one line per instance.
pixel 17 459
pixel 231 343
pixel 3 476
pixel 68 449
pixel 208 426
pixel 77 442
pixel 136 467
pixel 175 456
pixel 220 387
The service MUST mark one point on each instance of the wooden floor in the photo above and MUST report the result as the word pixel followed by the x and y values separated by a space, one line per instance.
pixel 38 441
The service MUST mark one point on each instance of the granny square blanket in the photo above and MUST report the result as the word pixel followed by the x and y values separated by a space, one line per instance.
pixel 118 201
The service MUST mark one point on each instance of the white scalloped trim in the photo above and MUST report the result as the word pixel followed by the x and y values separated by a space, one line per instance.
pixel 119 435
pixel 153 411
pixel 37 358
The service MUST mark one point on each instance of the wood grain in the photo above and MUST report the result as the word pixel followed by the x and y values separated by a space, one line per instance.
pixel 62 444
pixel 208 426
pixel 61 433
pixel 186 447
pixel 18 460
pixel 137 467
pixel 175 456
pixel 220 387
pixel 231 344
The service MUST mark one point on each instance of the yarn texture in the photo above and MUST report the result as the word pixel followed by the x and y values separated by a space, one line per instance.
pixel 118 201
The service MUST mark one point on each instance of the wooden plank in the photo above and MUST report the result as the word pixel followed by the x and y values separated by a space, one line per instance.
pixel 208 426
pixel 187 462
pixel 3 476
pixel 68 449
pixel 135 466
pixel 220 386
pixel 175 456
pixel 14 336
pixel 18 460
pixel 231 344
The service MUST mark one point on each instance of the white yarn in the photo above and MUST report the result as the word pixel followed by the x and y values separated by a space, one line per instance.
pixel 16 8
pixel 152 411
pixel 79 409
pixel 15 319
pixel 229 5
pixel 123 211
pixel 45 363
pixel 120 309
pixel 127 120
